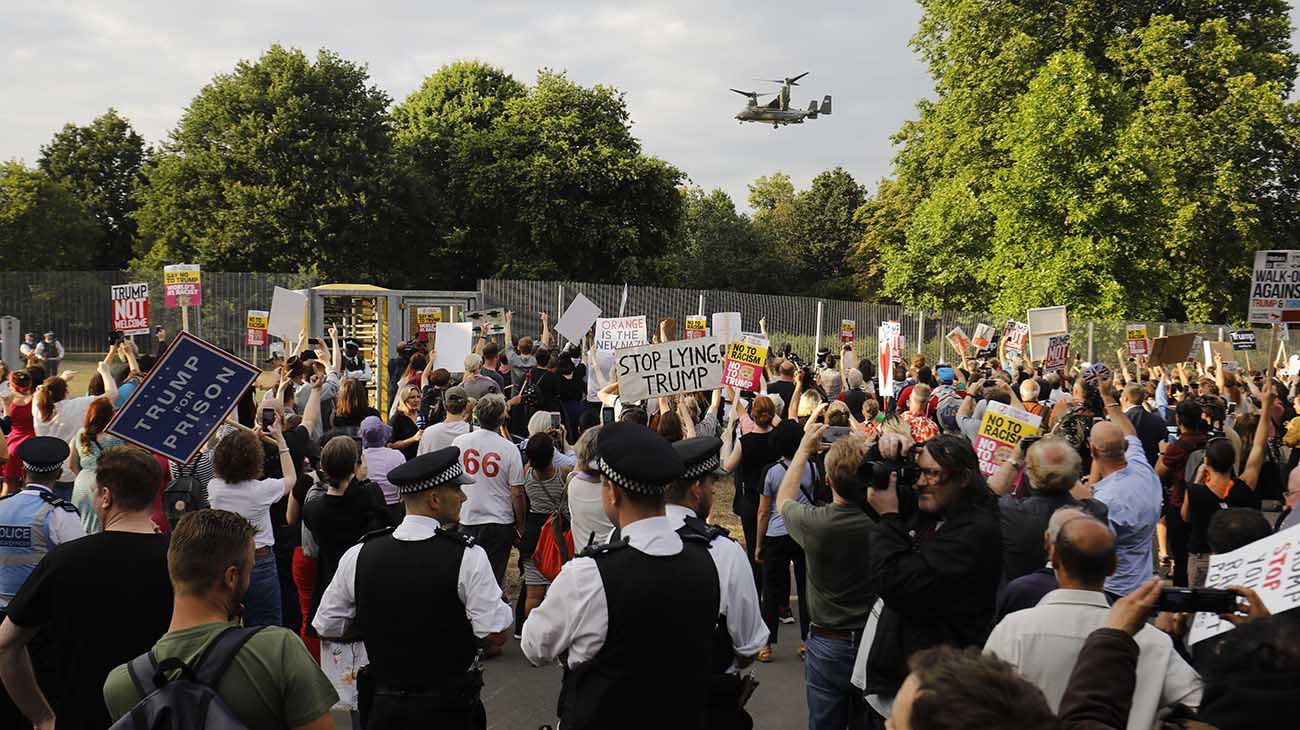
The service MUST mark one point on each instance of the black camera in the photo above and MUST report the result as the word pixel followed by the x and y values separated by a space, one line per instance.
pixel 115 338
pixel 875 473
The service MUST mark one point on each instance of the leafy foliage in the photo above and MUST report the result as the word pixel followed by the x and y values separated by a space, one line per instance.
pixel 42 224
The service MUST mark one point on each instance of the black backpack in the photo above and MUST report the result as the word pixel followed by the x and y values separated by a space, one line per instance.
pixel 190 701
pixel 183 495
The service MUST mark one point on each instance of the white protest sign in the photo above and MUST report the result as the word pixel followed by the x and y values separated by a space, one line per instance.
pixel 288 312
pixel 615 333
pixel 669 368
pixel 885 353
pixel 453 341
pixel 1270 567
pixel 726 326
pixel 983 337
pixel 1044 323
pixel 578 318
pixel 1275 287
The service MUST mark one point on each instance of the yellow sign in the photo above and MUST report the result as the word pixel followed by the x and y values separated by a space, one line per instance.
pixel 743 366
pixel 696 327
pixel 427 319
pixel 1135 336
pixel 258 320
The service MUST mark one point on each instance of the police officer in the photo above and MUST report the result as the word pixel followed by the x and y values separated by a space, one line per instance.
pixel 425 602
pixel 50 350
pixel 32 522
pixel 354 365
pixel 636 616
pixel 740 631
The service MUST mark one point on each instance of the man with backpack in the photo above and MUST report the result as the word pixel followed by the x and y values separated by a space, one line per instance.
pixel 216 673
pixel 97 601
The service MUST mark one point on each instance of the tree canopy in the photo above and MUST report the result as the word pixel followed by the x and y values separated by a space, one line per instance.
pixel 43 225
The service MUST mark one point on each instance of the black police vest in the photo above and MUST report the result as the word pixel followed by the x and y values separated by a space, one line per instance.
pixel 724 653
pixel 409 612
pixel 650 671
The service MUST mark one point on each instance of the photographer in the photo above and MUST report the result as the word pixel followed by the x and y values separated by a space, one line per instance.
pixel 834 538
pixel 937 569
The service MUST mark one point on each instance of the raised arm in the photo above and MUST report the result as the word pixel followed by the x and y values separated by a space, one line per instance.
pixel 1113 412
pixel 336 352
pixel 311 414
pixel 509 333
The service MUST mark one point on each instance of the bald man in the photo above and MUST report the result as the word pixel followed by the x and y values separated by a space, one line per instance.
pixel 1043 642
pixel 1123 479
pixel 1290 515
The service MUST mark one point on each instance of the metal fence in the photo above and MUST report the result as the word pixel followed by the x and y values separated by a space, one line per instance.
pixel 75 305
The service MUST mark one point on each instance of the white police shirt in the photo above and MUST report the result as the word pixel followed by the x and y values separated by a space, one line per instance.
pixel 476 586
pixel 574 616
pixel 739 595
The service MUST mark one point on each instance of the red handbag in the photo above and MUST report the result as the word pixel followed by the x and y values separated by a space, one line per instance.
pixel 554 546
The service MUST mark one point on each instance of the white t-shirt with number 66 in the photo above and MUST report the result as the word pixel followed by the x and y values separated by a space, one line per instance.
pixel 494 464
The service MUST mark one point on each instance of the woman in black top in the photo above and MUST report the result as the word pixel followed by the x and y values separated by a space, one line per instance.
pixel 748 461
pixel 348 509
pixel 1217 487
pixel 353 407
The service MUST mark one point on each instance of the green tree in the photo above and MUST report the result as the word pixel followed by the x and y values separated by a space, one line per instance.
pixel 101 164
pixel 814 230
pixel 281 165
pixel 542 182
pixel 1178 146
pixel 719 247
pixel 43 226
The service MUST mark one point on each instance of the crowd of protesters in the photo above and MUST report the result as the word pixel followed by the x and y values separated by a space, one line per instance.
pixel 926 594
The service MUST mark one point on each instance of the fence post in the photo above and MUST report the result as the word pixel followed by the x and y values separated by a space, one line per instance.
pixel 943 341
pixel 1220 334
pixel 1090 334
pixel 1162 330
pixel 920 330
pixel 701 313
pixel 817 342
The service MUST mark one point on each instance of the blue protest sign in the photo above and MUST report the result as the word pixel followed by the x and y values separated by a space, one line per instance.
pixel 189 392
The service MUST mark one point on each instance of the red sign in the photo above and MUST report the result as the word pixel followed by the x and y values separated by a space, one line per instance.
pixel 131 308
pixel 1058 353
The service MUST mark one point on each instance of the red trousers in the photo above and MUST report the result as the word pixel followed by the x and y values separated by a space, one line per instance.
pixel 304 577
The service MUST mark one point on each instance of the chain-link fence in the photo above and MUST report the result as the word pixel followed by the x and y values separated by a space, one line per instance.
pixel 76 306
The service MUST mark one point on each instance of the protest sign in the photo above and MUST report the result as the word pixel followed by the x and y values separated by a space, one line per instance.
pixel 669 368
pixel 1057 353
pixel 983 336
pixel 1135 336
pixel 1000 433
pixel 960 341
pixel 697 327
pixel 453 341
pixel 885 359
pixel 1275 287
pixel 188 393
pixel 1223 350
pixel 726 325
pixel 130 308
pixel 616 333
pixel 894 331
pixel 427 319
pixel 1242 340
pixel 1270 567
pixel 487 322
pixel 256 327
pixel 1044 322
pixel 1171 350
pixel 288 313
pixel 848 331
pixel 742 369
pixel 578 318
pixel 1017 336
pixel 182 286
pixel 1196 347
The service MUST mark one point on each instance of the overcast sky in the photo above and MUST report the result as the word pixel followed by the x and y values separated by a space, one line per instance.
pixel 69 60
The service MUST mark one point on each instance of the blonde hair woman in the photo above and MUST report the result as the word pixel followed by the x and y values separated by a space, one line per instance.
pixel 405 420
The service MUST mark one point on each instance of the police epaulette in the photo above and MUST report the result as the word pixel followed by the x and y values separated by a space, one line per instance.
pixel 705 530
pixel 59 502
pixel 460 537
pixel 592 551
pixel 376 533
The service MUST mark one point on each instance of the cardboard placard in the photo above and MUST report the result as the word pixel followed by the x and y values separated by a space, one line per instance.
pixel 487 322
pixel 983 336
pixel 1242 339
pixel 255 325
pixel 427 319
pixel 1275 287
pixel 182 286
pixel 669 368
pixel 1196 347
pixel 1057 353
pixel 1135 338
pixel 1173 349
pixel 697 327
pixel 1270 567
pixel 1000 432
pixel 726 325
pixel 848 331
pixel 453 341
pixel 1044 322
pixel 288 313
pixel 1223 350
pixel 130 308
pixel 616 333
pixel 578 318
pixel 742 368
pixel 959 340
pixel 885 359
pixel 1016 335
pixel 186 396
